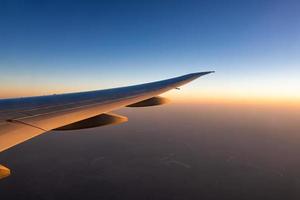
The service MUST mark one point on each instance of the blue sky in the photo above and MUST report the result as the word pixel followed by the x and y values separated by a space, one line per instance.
pixel 59 46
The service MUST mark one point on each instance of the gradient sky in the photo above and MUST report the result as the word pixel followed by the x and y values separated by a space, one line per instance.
pixel 63 46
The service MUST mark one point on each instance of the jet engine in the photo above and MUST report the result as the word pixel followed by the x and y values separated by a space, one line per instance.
pixel 99 120
pixel 4 172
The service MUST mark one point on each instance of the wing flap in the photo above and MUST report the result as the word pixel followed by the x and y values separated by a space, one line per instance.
pixel 13 133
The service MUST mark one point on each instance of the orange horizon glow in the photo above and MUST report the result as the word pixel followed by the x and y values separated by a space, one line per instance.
pixel 180 97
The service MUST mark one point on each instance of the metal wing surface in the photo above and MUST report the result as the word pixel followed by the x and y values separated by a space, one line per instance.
pixel 25 118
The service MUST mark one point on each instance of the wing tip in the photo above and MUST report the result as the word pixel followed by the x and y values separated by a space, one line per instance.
pixel 204 73
pixel 198 74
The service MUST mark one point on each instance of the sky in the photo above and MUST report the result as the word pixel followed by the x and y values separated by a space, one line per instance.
pixel 51 47
pixel 209 151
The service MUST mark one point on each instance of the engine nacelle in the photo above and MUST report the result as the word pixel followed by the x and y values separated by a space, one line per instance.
pixel 4 172
pixel 154 101
pixel 99 120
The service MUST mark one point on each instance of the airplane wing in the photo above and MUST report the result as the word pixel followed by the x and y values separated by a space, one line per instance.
pixel 25 118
